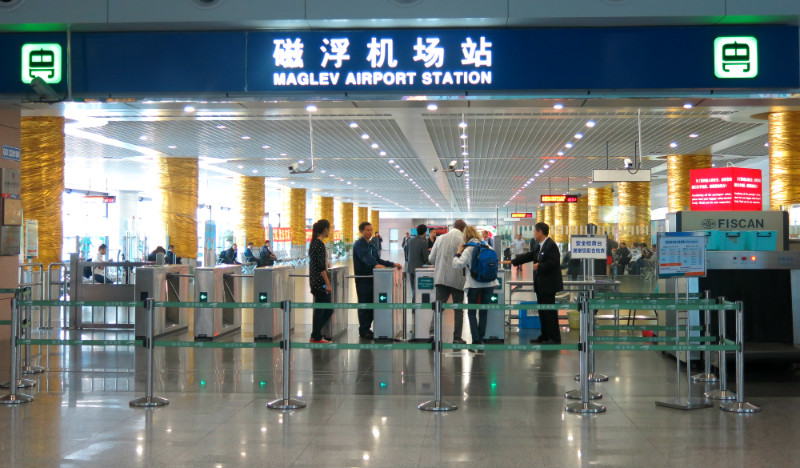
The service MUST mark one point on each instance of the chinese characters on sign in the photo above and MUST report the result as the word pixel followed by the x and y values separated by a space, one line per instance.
pixel 381 61
pixel 589 247
pixel 681 254
pixel 559 199
pixel 726 189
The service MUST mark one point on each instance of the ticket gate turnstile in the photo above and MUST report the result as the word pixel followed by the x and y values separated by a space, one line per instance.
pixel 168 283
pixel 217 284
pixel 339 293
pixel 387 288
pixel 424 293
pixel 495 319
pixel 271 284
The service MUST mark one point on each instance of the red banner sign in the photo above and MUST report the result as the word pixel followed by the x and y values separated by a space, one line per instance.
pixel 726 189
pixel 337 236
pixel 282 234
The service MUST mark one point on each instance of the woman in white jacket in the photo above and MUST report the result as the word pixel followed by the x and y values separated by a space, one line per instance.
pixel 477 292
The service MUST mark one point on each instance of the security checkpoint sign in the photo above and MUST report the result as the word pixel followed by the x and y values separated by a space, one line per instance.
pixel 589 247
pixel 681 254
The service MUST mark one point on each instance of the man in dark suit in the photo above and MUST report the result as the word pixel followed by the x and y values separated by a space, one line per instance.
pixel 546 281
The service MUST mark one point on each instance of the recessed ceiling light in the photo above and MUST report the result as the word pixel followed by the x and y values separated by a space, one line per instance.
pixel 143 137
pixel 171 146
pixel 464 153
pixel 291 183
pixel 221 127
pixel 311 108
pixel 283 154
pixel 568 145
pixel 591 123
pixel 391 161
pixel 374 145
pixel 463 136
pixel 265 146
pixel 382 153
pixel 433 106
pixel 364 136
pixel 254 171
pixel 673 144
pixel 353 125
pixel 688 105
pixel 560 153
pixel 301 162
pixel 693 135
pixel 547 166
pixel 766 144
pixel 466 161
pixel 579 135
pixel 558 106
pixel 552 161
pixel 245 137
pixel 240 167
pixel 189 109
pixel 397 166
pixel 462 124
pixel 322 171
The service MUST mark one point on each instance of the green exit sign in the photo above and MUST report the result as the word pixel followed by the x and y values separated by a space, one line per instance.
pixel 262 297
pixel 736 57
pixel 203 296
pixel 43 61
pixel 383 298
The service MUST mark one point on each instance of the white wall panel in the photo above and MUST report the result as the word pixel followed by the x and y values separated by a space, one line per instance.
pixel 405 13
pixel 55 11
pixel 251 13
pixel 614 12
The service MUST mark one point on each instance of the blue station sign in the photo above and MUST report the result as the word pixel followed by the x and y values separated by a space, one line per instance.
pixel 579 60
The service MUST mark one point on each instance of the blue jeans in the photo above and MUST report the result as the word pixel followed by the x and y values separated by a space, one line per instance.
pixel 477 322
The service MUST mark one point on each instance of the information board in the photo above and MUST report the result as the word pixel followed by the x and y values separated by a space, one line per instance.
pixel 588 247
pixel 681 254
pixel 210 244
pixel 31 238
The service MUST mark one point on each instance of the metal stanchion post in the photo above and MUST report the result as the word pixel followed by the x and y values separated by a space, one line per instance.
pixel 739 406
pixel 148 400
pixel 594 376
pixel 437 404
pixel 707 375
pixel 27 368
pixel 286 403
pixel 584 406
pixel 14 398
pixel 405 311
pixel 579 393
pixel 722 393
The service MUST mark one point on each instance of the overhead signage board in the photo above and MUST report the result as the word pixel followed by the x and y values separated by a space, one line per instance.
pixel 621 175
pixel 403 61
pixel 681 254
pixel 559 198
pixel 522 215
pixel 588 247
pixel 726 189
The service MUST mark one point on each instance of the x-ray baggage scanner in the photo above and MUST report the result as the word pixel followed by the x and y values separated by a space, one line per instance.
pixel 222 283
pixel 271 284
pixel 167 283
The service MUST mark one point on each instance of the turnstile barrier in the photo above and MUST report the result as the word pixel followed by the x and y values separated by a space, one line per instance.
pixel 165 283
pixel 217 284
pixel 271 284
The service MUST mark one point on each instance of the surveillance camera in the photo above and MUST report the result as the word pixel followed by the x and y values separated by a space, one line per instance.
pixel 293 167
pixel 452 164
pixel 628 163
pixel 44 90
pixel 434 169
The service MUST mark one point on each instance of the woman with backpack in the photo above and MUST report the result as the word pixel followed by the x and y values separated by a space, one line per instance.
pixel 475 256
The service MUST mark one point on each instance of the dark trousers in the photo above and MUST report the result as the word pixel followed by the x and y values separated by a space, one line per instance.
pixel 101 279
pixel 321 316
pixel 445 293
pixel 549 318
pixel 364 291
pixel 477 322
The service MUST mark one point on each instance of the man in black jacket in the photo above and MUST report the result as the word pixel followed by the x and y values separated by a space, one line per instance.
pixel 546 281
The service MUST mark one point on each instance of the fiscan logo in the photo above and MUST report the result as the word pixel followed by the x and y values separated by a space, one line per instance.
pixel 709 223
pixel 741 223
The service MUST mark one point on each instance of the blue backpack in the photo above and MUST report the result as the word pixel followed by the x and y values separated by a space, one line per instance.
pixel 484 262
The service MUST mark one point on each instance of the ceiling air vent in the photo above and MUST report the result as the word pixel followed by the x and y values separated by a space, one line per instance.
pixel 206 3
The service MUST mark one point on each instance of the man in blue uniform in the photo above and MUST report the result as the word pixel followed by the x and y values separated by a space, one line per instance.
pixel 366 259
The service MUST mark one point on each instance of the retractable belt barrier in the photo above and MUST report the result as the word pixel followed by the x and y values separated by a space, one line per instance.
pixel 588 342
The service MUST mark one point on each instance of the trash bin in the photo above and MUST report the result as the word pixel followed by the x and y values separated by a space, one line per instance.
pixel 574 319
pixel 529 318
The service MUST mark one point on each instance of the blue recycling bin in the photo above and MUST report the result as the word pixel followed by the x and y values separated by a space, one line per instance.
pixel 529 321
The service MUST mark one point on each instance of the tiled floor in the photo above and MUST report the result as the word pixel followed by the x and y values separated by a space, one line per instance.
pixel 362 411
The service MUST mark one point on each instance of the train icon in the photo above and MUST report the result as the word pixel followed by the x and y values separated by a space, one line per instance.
pixel 736 57
pixel 42 61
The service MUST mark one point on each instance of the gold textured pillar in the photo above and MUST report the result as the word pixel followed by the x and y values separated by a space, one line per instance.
pixel 601 209
pixel 560 222
pixel 347 223
pixel 784 159
pixel 42 181
pixel 374 219
pixel 578 216
pixel 178 188
pixel 634 212
pixel 549 215
pixel 286 207
pixel 297 215
pixel 540 215
pixel 679 184
pixel 250 210
pixel 323 209
pixel 362 215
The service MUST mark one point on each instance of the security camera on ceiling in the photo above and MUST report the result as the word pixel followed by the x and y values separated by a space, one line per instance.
pixel 628 163
pixel 293 167
pixel 44 90
pixel 452 165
